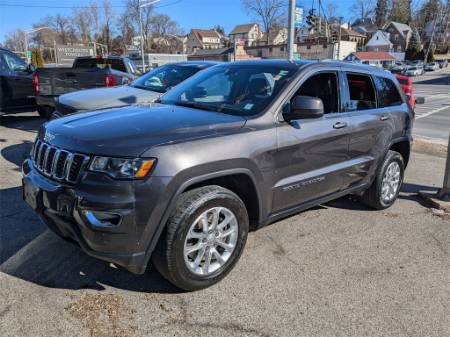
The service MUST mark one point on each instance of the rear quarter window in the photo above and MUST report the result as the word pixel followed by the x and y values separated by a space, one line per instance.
pixel 388 94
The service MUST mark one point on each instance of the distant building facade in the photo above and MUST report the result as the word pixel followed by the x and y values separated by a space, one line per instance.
pixel 203 39
pixel 247 34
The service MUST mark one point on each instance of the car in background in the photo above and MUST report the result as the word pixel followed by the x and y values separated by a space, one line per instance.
pixel 145 89
pixel 414 71
pixel 86 73
pixel 398 67
pixel 407 86
pixel 16 84
pixel 442 63
pixel 431 66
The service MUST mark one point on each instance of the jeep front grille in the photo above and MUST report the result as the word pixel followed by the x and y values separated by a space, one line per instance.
pixel 56 163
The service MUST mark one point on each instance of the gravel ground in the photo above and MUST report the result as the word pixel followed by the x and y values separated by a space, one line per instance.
pixel 336 270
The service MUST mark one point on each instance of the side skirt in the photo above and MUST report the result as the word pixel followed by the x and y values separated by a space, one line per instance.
pixel 296 209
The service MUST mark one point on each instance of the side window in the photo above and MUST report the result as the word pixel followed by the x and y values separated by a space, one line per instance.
pixel 14 63
pixel 388 94
pixel 361 92
pixel 3 66
pixel 323 86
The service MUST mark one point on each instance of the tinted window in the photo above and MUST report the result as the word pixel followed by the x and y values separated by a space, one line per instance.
pixel 165 77
pixel 100 63
pixel 234 89
pixel 323 86
pixel 361 91
pixel 15 63
pixel 388 94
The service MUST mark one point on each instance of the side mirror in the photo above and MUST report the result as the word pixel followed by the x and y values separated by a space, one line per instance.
pixel 304 107
pixel 420 100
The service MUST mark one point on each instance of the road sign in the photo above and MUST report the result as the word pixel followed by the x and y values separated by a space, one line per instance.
pixel 28 54
pixel 298 15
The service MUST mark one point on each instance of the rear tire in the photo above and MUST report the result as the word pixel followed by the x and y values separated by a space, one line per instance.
pixel 204 238
pixel 387 184
pixel 45 111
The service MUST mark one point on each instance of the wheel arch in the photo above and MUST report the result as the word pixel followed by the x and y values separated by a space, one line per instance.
pixel 403 147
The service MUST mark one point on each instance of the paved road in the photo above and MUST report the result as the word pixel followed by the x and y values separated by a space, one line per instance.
pixel 339 270
pixel 433 117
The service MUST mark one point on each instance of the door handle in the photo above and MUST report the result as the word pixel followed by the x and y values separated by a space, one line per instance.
pixel 339 125
pixel 384 118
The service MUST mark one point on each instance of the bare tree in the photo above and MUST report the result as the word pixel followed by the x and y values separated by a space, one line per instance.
pixel 363 9
pixel 15 40
pixel 132 11
pixel 82 21
pixel 269 13
pixel 108 19
pixel 162 25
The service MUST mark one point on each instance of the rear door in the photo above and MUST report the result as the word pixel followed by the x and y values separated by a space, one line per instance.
pixel 17 85
pixel 371 126
pixel 312 156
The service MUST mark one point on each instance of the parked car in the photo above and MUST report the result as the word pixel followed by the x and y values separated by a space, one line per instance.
pixel 145 89
pixel 414 71
pixel 431 66
pixel 17 93
pixel 406 84
pixel 398 67
pixel 238 145
pixel 442 63
pixel 86 73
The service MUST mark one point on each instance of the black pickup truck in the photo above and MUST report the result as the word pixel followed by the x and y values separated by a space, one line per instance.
pixel 86 73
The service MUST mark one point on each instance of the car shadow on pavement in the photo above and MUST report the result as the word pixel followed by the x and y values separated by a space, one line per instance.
pixel 31 252
pixel 22 122
pixel 17 153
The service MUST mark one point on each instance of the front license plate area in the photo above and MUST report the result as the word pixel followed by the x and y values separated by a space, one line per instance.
pixel 32 195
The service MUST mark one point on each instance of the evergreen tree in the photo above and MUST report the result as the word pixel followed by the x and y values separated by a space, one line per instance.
pixel 414 50
pixel 36 58
pixel 380 13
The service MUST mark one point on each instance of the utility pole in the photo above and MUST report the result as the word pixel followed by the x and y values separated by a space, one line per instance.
pixel 339 41
pixel 291 30
pixel 141 27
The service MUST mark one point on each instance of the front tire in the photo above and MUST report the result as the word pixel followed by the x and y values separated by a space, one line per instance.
pixel 204 238
pixel 386 187
pixel 45 111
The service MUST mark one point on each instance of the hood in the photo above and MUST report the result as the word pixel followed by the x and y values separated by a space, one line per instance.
pixel 129 131
pixel 102 98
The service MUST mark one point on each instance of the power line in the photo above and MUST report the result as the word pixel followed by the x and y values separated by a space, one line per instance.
pixel 77 7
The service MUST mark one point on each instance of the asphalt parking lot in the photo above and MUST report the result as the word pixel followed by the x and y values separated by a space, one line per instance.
pixel 336 270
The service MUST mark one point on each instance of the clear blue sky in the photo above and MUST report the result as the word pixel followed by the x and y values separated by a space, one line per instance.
pixel 188 13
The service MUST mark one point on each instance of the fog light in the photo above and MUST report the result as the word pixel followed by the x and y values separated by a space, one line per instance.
pixel 102 219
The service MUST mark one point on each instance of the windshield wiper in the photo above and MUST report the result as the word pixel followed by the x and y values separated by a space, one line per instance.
pixel 161 91
pixel 196 106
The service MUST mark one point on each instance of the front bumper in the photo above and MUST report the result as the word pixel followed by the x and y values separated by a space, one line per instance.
pixel 63 208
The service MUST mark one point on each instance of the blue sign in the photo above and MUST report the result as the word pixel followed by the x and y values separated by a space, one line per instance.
pixel 298 22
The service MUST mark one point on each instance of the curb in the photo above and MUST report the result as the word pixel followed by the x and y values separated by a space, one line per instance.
pixel 431 146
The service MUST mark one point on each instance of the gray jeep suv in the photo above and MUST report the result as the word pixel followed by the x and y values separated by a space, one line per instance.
pixel 237 146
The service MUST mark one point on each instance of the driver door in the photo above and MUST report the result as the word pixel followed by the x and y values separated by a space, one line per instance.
pixel 312 156
pixel 18 82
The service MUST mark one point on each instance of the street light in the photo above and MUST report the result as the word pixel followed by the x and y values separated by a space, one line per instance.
pixel 26 38
pixel 143 5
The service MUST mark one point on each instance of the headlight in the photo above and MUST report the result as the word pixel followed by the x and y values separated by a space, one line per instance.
pixel 123 168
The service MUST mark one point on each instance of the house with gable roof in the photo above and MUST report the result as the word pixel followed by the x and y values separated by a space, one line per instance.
pixel 203 39
pixel 399 35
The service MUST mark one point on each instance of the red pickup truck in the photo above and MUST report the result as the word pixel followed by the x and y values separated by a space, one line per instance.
pixel 407 86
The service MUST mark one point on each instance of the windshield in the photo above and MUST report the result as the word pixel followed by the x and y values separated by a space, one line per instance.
pixel 235 89
pixel 163 78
